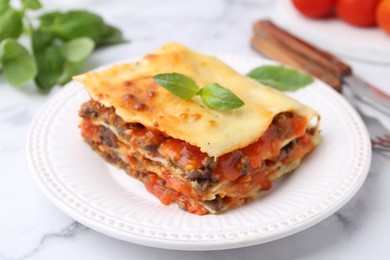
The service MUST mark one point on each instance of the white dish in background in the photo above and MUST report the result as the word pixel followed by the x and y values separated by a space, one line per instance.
pixel 104 198
pixel 336 36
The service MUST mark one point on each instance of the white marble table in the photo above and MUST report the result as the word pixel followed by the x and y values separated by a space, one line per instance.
pixel 32 228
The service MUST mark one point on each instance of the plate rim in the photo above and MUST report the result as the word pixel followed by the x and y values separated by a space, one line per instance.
pixel 168 242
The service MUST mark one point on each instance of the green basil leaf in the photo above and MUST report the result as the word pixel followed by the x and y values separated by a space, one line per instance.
pixel 216 97
pixel 31 4
pixel 47 19
pixel 40 40
pixel 112 36
pixel 4 4
pixel 177 84
pixel 11 25
pixel 49 58
pixel 70 69
pixel 18 65
pixel 280 77
pixel 50 64
pixel 77 50
pixel 74 24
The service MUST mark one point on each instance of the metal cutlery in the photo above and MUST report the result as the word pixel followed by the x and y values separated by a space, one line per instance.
pixel 379 135
pixel 280 45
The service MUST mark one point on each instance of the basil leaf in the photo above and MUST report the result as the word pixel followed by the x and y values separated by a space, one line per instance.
pixel 11 25
pixel 112 36
pixel 40 40
pixel 79 23
pixel 70 69
pixel 281 78
pixel 47 19
pixel 77 50
pixel 49 59
pixel 18 65
pixel 74 24
pixel 4 4
pixel 31 4
pixel 216 97
pixel 50 67
pixel 177 84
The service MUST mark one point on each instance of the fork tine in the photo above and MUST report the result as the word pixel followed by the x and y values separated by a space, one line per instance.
pixel 381 149
pixel 380 136
pixel 384 141
pixel 380 144
pixel 385 145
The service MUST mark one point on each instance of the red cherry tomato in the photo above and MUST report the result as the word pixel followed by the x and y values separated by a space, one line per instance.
pixel 314 8
pixel 357 12
pixel 383 15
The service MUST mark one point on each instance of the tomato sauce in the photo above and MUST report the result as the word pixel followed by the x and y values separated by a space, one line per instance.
pixel 155 186
pixel 185 155
pixel 178 185
pixel 268 145
pixel 89 130
pixel 141 136
pixel 167 195
pixel 229 166
pixel 243 168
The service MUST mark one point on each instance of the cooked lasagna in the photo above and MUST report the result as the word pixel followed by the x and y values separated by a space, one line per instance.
pixel 206 161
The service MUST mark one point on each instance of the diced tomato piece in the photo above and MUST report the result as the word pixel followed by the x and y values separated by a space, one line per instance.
pixel 194 209
pixel 266 147
pixel 178 184
pixel 261 178
pixel 145 136
pixel 299 125
pixel 152 185
pixel 89 129
pixel 182 153
pixel 230 166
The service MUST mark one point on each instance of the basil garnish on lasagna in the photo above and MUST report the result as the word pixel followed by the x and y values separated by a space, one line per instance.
pixel 207 161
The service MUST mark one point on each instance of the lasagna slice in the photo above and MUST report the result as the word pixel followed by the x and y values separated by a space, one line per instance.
pixel 206 161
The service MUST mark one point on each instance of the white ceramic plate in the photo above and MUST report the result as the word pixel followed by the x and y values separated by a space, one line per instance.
pixel 104 198
pixel 334 35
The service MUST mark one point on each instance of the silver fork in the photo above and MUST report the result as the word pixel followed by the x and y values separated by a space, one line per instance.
pixel 379 135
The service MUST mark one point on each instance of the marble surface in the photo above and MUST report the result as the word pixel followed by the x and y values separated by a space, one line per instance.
pixel 32 228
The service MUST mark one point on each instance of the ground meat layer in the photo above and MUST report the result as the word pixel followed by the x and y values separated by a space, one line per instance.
pixel 175 171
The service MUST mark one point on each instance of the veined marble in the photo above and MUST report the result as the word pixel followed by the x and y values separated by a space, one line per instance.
pixel 32 228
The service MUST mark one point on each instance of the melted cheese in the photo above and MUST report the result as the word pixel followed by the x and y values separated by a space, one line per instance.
pixel 130 89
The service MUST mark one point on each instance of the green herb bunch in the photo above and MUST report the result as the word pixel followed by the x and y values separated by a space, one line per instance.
pixel 60 43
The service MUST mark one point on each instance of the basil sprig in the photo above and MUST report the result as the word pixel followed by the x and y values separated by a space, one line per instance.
pixel 213 95
pixel 280 77
pixel 60 43
pixel 18 65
